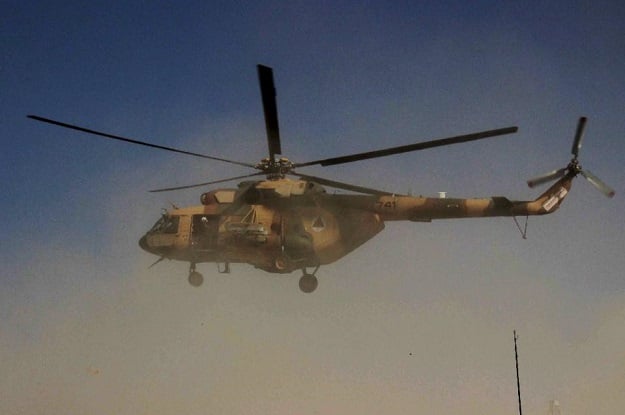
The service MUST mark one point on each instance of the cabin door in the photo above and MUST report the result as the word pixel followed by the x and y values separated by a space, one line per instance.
pixel 204 232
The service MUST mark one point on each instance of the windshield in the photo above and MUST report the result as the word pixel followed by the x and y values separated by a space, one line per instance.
pixel 166 224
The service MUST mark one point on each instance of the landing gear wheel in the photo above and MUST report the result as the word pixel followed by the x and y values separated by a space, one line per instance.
pixel 308 283
pixel 281 262
pixel 195 278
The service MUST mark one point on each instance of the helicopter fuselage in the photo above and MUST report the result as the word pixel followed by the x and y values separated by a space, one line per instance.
pixel 284 225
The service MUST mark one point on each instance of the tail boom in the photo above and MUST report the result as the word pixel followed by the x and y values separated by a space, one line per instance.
pixel 426 209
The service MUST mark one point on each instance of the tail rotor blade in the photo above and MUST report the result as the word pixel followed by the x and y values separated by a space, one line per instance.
pixel 556 174
pixel 579 135
pixel 595 181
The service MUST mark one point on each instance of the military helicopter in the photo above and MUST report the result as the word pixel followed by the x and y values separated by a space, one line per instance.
pixel 281 224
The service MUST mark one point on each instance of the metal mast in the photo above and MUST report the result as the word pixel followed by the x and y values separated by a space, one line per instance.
pixel 518 383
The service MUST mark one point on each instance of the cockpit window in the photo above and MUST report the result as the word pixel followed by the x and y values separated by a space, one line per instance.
pixel 166 224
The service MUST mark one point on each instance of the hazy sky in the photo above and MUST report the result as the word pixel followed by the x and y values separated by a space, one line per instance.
pixel 420 319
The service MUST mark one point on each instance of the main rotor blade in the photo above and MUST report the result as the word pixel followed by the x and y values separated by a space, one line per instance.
pixel 130 140
pixel 206 183
pixel 410 147
pixel 270 109
pixel 341 185
pixel 167 189
pixel 595 181
pixel 552 175
pixel 579 135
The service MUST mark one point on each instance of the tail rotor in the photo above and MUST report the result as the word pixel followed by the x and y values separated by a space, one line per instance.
pixel 574 168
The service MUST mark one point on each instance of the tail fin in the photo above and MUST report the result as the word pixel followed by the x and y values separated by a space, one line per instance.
pixel 550 201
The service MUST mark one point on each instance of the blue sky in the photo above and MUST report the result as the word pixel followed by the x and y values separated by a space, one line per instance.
pixel 419 319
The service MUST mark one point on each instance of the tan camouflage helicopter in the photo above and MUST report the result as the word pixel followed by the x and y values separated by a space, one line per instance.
pixel 281 224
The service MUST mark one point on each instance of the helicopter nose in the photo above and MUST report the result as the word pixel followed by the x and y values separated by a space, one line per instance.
pixel 143 243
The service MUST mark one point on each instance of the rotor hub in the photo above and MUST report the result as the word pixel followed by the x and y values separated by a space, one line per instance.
pixel 275 169
pixel 574 168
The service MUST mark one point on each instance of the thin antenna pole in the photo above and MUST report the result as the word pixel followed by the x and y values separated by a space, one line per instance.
pixel 518 383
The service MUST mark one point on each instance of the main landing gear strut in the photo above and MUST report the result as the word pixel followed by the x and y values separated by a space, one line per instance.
pixel 308 282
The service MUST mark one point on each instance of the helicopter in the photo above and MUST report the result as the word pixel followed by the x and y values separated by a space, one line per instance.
pixel 288 221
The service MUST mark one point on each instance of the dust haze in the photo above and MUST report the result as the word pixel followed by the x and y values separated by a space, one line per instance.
pixel 423 335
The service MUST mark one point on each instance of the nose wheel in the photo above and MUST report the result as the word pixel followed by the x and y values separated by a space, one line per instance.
pixel 195 278
pixel 308 282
